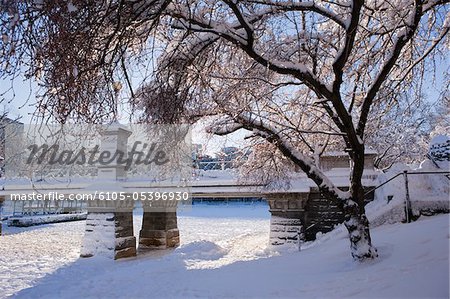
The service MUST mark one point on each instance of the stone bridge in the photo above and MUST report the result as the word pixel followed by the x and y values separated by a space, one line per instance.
pixel 297 213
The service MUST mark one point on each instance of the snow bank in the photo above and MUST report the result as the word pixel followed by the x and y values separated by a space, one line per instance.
pixel 202 250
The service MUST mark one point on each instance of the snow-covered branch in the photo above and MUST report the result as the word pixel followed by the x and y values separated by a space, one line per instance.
pixel 243 21
pixel 224 126
pixel 434 44
pixel 281 140
pixel 400 41
pixel 233 33
pixel 283 6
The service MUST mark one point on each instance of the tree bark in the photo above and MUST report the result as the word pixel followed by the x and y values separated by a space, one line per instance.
pixel 357 225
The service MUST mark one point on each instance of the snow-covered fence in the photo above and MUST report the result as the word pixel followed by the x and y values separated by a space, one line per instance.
pixel 45 207
pixel 404 194
pixel 44 219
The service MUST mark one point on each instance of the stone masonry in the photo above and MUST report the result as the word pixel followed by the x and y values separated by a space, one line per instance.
pixel 109 232
pixel 109 224
pixel 99 235
pixel 286 223
pixel 125 245
pixel 159 226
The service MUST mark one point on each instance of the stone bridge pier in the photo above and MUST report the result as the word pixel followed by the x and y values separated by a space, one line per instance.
pixel 109 225
pixel 109 230
pixel 287 219
pixel 159 225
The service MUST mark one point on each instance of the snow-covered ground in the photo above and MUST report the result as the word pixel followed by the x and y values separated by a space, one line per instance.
pixel 223 254
pixel 211 236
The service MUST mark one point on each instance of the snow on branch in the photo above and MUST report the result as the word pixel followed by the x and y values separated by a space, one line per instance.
pixel 190 21
pixel 281 139
pixel 402 38
pixel 283 6
pixel 240 34
pixel 224 126
pixel 248 27
pixel 435 42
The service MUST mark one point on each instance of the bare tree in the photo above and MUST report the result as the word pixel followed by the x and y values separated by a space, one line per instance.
pixel 302 75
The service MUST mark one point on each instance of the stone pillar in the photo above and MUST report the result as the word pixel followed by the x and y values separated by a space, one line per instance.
pixel 125 245
pixel 287 218
pixel 99 235
pixel 109 224
pixel 114 139
pixel 159 225
pixel 109 230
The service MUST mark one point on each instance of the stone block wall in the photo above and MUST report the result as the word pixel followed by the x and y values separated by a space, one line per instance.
pixel 99 236
pixel 285 232
pixel 286 223
pixel 159 230
pixel 322 215
pixel 125 245
pixel 109 234
pixel 297 217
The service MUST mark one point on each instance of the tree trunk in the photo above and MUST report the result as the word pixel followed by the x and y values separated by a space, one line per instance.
pixel 357 225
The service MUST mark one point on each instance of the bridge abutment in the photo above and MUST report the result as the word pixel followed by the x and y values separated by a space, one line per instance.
pixel 159 226
pixel 287 219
